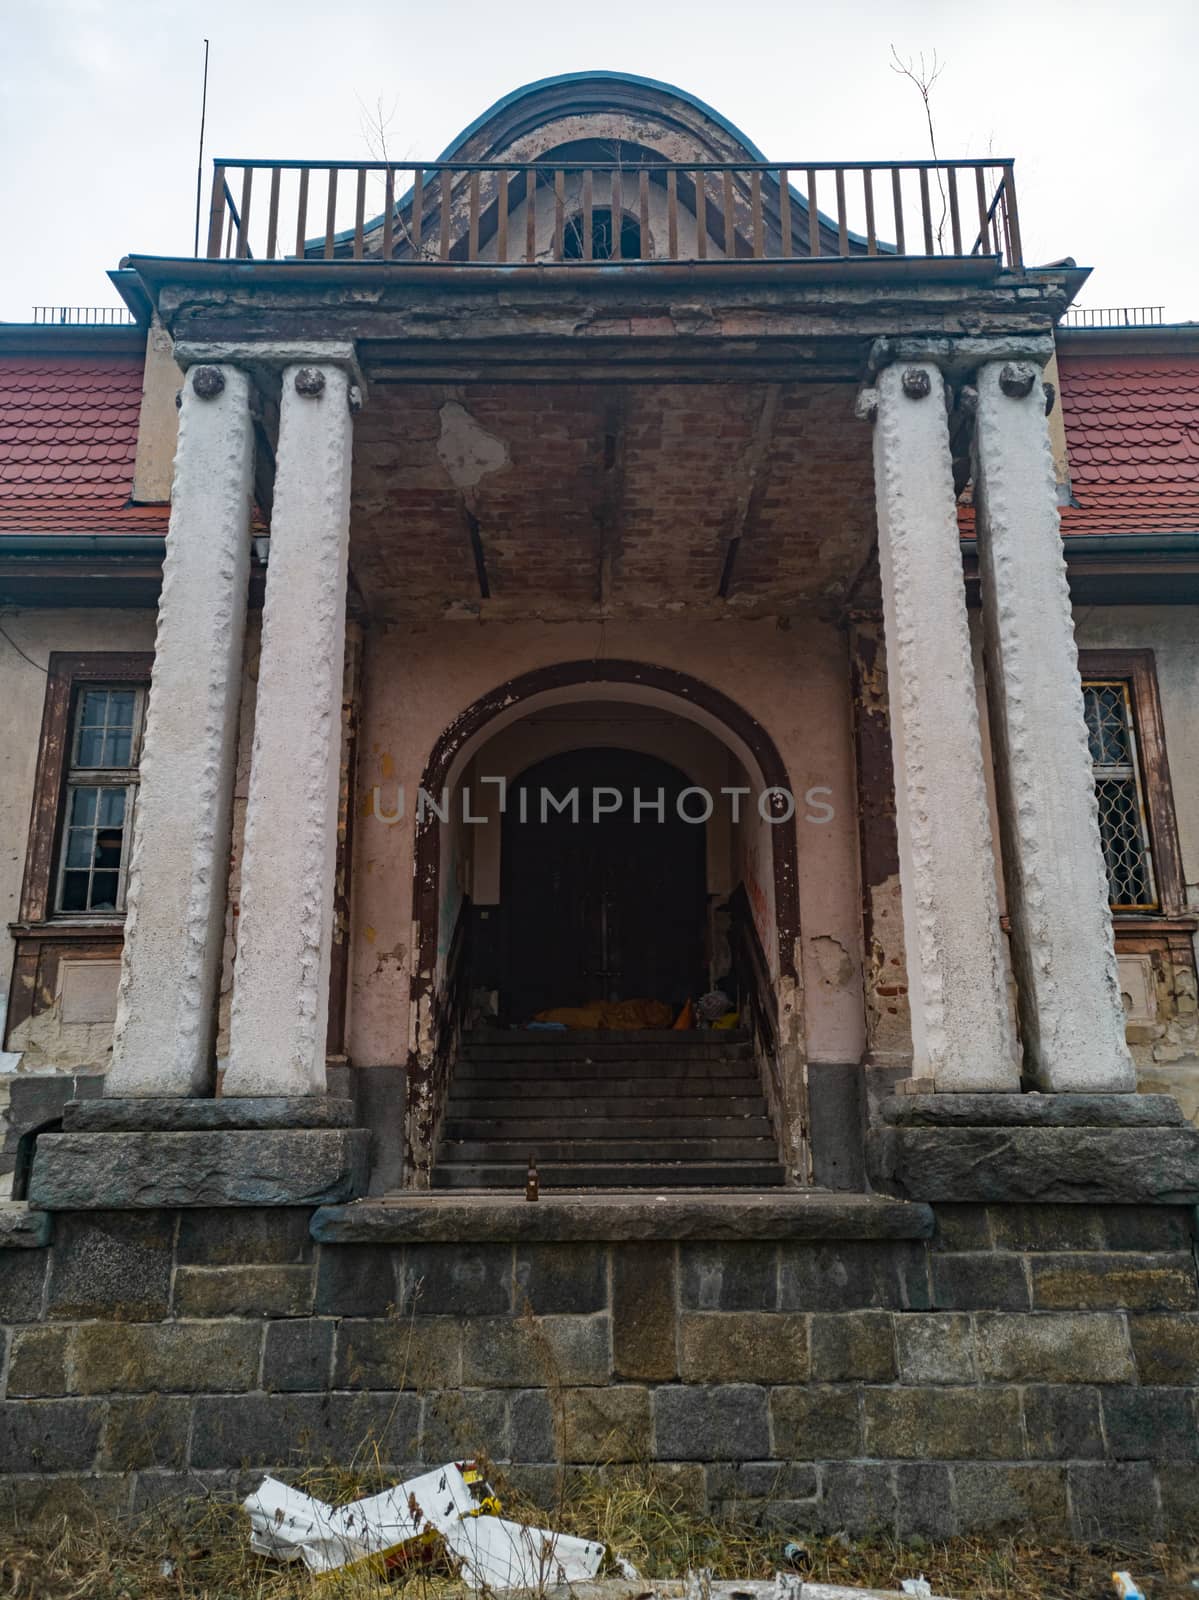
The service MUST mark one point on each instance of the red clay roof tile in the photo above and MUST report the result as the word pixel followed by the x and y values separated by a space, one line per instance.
pixel 68 435
pixel 1132 431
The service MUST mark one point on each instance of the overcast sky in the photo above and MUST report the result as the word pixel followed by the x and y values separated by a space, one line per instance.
pixel 100 101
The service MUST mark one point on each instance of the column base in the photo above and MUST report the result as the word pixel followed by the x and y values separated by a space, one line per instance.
pixel 1032 1111
pixel 162 1114
pixel 1092 1149
pixel 272 1166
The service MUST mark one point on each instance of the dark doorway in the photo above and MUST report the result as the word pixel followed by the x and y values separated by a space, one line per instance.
pixel 607 908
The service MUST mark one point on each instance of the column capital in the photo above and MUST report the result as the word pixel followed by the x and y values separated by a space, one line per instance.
pixel 961 356
pixel 266 359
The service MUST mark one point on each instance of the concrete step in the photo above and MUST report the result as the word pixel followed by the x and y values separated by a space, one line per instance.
pixel 511 1107
pixel 614 1175
pixel 605 1046
pixel 536 1128
pixel 566 1069
pixel 587 1150
pixel 696 1086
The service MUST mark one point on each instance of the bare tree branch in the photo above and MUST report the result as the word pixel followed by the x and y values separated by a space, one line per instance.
pixel 924 79
pixel 376 125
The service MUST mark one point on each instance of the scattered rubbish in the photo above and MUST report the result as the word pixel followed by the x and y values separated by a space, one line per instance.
pixel 712 1006
pixel 1126 1586
pixel 796 1555
pixel 450 1510
pixel 166 1568
pixel 698 1585
pixel 626 1569
pixel 919 1588
pixel 532 1181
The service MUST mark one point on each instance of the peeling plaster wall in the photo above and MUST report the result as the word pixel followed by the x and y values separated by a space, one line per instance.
pixel 1159 988
pixel 52 1043
pixel 793 677
pixel 888 1019
pixel 158 420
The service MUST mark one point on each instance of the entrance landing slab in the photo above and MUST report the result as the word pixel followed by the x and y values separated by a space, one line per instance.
pixel 491 1217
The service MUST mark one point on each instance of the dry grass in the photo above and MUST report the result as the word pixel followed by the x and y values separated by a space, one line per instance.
pixel 200 1552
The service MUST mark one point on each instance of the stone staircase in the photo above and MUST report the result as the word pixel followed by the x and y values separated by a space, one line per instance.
pixel 602 1110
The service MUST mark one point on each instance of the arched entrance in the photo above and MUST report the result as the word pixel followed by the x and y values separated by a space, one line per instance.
pixel 603 884
pixel 464 876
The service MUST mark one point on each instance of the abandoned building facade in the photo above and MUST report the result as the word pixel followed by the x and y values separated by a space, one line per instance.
pixel 591 569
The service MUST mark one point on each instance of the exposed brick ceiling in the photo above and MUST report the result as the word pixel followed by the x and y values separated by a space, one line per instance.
pixel 625 497
pixel 621 496
pixel 68 435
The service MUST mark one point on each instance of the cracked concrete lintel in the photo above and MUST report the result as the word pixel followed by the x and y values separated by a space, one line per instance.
pixel 272 355
pixel 957 357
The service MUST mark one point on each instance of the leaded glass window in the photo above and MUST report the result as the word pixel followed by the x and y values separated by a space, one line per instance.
pixel 106 733
pixel 1123 824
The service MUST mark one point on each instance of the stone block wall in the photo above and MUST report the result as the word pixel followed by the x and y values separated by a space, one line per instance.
pixel 1031 1365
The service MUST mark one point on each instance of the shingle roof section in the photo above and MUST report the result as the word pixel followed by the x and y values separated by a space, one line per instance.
pixel 1132 433
pixel 1132 428
pixel 68 436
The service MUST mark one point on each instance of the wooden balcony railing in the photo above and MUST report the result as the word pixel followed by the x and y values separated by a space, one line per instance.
pixel 510 213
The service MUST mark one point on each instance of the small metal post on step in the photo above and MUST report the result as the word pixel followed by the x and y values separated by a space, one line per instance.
pixel 532 1182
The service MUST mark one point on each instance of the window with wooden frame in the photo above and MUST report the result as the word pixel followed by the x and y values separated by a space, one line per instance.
pixel 1137 827
pixel 101 782
pixel 87 777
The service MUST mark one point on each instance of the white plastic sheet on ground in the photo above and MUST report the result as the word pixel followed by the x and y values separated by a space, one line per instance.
pixel 290 1526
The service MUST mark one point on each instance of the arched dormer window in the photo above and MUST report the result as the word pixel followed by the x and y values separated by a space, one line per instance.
pixel 602 237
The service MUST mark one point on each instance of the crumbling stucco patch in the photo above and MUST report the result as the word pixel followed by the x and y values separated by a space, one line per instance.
pixel 834 964
pixel 465 448
pixel 889 1026
pixel 1163 1025
pixel 48 1043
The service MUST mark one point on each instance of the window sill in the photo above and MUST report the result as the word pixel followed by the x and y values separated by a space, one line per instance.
pixel 1154 922
pixel 73 928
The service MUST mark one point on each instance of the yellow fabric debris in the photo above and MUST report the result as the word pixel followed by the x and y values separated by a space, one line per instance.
pixel 615 1014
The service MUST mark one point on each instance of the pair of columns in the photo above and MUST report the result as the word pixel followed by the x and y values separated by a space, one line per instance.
pixel 1063 957
pixel 1071 1015
pixel 178 875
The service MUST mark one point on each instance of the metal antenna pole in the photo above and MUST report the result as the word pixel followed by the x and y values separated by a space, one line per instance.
pixel 200 158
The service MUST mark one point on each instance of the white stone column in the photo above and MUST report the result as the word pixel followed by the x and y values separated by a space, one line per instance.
pixel 1071 1015
pixel 961 1033
pixel 178 870
pixel 281 972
